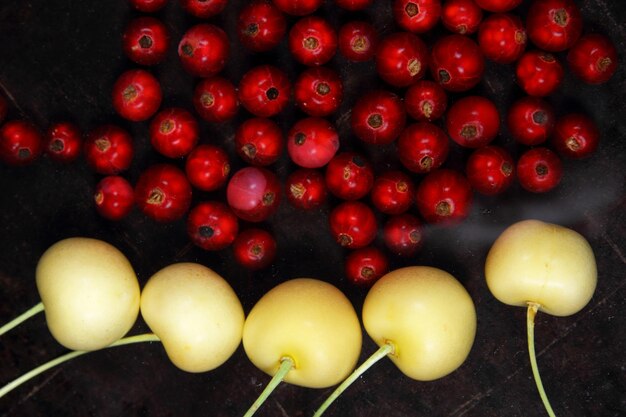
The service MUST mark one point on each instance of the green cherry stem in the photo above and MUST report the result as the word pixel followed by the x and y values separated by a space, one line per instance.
pixel 382 352
pixel 530 325
pixel 147 337
pixel 37 308
pixel 286 365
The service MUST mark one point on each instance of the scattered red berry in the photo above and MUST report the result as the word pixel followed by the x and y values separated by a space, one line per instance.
pixel 498 6
pixel 63 142
pixel 203 50
pixel 554 25
pixel 137 95
pixel 425 101
pixel 253 193
pixel 318 91
pixel 215 99
pixel 174 132
pixel 365 266
pixel 539 73
pixel 444 196
pixel 298 7
pixel 312 142
pixel 502 38
pixel 148 6
pixel 401 59
pixel 349 176
pixel 530 120
pixel 457 63
pixel 306 188
pixel 114 197
pixel 20 143
pixel 593 58
pixel 539 170
pixel 261 26
pixel 254 249
pixel 354 5
pixel 417 16
pixel 461 16
pixel 145 40
pixel 378 117
pixel 392 192
pixel 163 193
pixel 353 224
pixel 358 41
pixel 109 149
pixel 264 91
pixel 403 234
pixel 212 225
pixel 259 141
pixel 423 147
pixel 312 41
pixel 473 121
pixel 203 9
pixel 576 136
pixel 490 170
pixel 207 167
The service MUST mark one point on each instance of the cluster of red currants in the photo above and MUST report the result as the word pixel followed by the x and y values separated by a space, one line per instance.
pixel 455 62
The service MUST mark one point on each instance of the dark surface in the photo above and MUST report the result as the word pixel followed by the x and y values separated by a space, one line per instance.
pixel 59 59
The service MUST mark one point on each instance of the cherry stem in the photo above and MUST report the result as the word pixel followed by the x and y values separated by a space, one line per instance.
pixel 37 308
pixel 530 324
pixel 286 365
pixel 147 337
pixel 382 352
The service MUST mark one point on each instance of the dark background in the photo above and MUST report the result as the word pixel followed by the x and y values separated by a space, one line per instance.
pixel 58 61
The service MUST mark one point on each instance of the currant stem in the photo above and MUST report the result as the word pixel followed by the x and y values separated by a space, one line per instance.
pixel 147 337
pixel 530 324
pixel 382 352
pixel 286 365
pixel 37 308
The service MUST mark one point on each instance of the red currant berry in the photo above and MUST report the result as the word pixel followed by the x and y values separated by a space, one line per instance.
pixel 490 170
pixel 148 6
pixel 137 95
pixel 298 7
pixel 576 136
pixel 358 41
pixel 539 73
pixel 354 5
pixel 539 170
pixel 203 8
pixel 207 167
pixel 114 197
pixel 365 266
pixel 203 50
pixel 259 141
pixel 215 99
pixel 163 193
pixel 264 91
pixel 401 59
pixel 261 26
pixel 403 235
pixel 417 16
pixel 444 196
pixel 63 142
pixel 378 117
pixel 109 149
pixel 254 249
pixel 349 176
pixel 530 120
pixel 211 225
pixel 20 143
pixel 473 121
pixel 253 193
pixel 312 41
pixel 593 58
pixel 306 188
pixel 502 38
pixel 145 40
pixel 498 6
pixel 461 16
pixel 392 192
pixel 353 224
pixel 425 100
pixel 312 142
pixel 554 25
pixel 318 91
pixel 423 147
pixel 457 63
pixel 174 132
